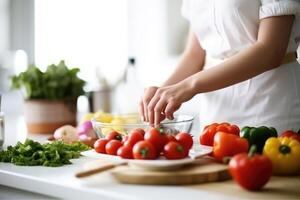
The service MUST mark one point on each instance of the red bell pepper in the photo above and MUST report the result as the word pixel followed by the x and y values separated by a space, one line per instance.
pixel 291 134
pixel 251 171
pixel 207 136
pixel 227 145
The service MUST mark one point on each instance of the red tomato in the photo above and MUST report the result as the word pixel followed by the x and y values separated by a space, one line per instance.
pixel 174 150
pixel 157 138
pixel 171 138
pixel 114 135
pixel 112 147
pixel 100 144
pixel 185 140
pixel 144 150
pixel 124 139
pixel 140 130
pixel 133 138
pixel 252 173
pixel 125 152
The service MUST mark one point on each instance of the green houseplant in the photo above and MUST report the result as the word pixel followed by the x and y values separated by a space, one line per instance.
pixel 50 96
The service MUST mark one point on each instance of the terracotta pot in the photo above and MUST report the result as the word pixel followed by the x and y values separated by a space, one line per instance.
pixel 44 116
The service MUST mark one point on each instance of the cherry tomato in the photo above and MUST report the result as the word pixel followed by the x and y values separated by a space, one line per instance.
pixel 133 138
pixel 125 152
pixel 174 150
pixel 185 140
pixel 171 138
pixel 157 137
pixel 140 130
pixel 112 147
pixel 100 144
pixel 124 139
pixel 144 150
pixel 114 135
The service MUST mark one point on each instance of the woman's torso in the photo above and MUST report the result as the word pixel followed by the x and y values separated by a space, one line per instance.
pixel 224 28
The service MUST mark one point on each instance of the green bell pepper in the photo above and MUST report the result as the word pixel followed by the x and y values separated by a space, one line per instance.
pixel 258 135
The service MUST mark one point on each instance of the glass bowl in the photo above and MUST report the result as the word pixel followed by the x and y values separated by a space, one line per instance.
pixel 124 124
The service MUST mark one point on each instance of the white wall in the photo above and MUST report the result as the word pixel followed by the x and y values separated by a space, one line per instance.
pixel 4 44
pixel 156 27
pixel 157 35
pixel 22 26
pixel 4 25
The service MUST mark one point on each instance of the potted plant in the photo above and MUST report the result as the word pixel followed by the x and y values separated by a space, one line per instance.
pixel 50 96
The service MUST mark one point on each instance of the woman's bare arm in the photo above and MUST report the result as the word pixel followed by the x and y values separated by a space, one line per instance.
pixel 191 61
pixel 266 54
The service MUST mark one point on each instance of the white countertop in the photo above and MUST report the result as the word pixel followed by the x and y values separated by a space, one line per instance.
pixel 60 182
pixel 19 182
pixel 45 180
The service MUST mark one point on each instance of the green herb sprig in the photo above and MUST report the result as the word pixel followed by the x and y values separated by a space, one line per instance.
pixel 31 153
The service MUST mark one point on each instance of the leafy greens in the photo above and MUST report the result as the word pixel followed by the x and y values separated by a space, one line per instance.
pixel 56 83
pixel 31 153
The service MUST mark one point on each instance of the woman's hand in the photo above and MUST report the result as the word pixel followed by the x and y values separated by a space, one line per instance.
pixel 159 103
pixel 167 99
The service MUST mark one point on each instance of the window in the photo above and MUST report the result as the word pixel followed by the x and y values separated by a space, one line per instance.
pixel 85 33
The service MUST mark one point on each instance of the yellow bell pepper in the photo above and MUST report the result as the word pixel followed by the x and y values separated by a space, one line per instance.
pixel 284 154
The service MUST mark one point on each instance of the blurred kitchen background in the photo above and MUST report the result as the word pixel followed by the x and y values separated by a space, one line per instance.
pixel 121 47
pixel 98 36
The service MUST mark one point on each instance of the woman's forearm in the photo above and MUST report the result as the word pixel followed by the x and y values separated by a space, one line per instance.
pixel 191 61
pixel 187 66
pixel 267 53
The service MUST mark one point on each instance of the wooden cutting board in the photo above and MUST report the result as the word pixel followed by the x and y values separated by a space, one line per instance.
pixel 201 172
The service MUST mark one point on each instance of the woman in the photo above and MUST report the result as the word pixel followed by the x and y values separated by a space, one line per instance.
pixel 254 78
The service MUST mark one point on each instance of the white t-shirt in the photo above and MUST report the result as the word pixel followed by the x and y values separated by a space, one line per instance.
pixel 226 27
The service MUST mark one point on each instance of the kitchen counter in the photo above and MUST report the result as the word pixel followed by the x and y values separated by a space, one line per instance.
pixel 46 183
pixel 60 182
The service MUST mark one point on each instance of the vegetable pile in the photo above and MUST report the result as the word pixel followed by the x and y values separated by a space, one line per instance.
pixel 56 83
pixel 268 153
pixel 147 145
pixel 31 153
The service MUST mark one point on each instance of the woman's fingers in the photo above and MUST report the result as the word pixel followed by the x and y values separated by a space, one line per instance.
pixel 170 109
pixel 141 109
pixel 148 95
pixel 159 103
pixel 151 106
pixel 158 110
pixel 145 104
